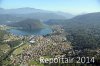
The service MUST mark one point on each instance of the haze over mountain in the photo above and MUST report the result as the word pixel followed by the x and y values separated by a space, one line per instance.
pixel 25 10
pixel 7 18
pixel 13 15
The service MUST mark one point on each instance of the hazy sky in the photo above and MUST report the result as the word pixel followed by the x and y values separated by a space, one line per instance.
pixel 71 6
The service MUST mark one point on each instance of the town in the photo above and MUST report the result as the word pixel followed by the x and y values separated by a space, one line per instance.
pixel 28 49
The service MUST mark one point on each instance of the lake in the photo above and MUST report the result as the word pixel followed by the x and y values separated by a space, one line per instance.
pixel 43 31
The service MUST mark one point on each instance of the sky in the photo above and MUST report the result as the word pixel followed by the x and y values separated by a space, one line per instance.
pixel 70 6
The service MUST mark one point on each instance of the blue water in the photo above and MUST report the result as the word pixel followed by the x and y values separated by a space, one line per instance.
pixel 43 31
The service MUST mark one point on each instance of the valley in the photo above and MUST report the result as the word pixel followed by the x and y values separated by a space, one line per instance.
pixel 27 36
pixel 26 50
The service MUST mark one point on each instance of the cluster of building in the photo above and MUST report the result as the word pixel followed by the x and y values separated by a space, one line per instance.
pixel 51 45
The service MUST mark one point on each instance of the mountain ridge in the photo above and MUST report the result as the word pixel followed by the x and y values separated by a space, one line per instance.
pixel 35 13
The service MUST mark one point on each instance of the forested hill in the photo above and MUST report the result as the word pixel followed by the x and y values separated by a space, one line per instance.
pixel 91 21
pixel 84 30
pixel 28 24
pixel 87 20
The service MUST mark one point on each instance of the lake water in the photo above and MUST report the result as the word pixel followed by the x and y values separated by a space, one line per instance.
pixel 43 31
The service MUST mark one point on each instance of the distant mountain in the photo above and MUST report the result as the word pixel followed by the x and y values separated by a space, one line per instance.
pixel 7 19
pixel 28 24
pixel 25 10
pixel 66 15
pixel 33 13
pixel 87 18
pixel 55 21
pixel 42 16
pixel 86 21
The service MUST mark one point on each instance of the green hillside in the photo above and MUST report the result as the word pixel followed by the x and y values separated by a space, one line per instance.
pixel 28 24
